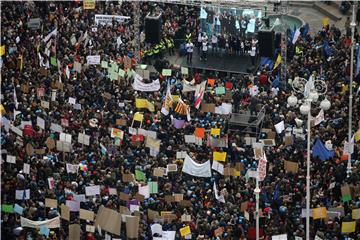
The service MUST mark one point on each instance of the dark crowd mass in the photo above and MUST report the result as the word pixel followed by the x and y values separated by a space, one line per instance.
pixel 112 149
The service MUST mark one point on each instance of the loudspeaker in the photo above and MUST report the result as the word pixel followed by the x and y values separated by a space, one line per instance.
pixel 277 42
pixel 266 43
pixel 153 29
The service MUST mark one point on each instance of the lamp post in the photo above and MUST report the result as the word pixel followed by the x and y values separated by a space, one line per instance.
pixel 257 192
pixel 352 25
pixel 311 90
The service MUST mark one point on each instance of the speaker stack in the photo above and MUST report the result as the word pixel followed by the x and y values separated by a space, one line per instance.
pixel 266 43
pixel 153 32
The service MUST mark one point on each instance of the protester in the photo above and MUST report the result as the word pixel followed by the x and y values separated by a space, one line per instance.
pixel 92 135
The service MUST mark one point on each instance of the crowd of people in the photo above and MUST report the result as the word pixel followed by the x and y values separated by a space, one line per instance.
pixel 70 122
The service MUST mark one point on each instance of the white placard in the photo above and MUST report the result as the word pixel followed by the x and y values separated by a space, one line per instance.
pixel 40 122
pixel 84 139
pixel 93 59
pixel 22 194
pixel 92 190
pixel 108 19
pixel 72 100
pixel 65 137
pixel 26 168
pixel 56 127
pixel 10 159
pixel 72 168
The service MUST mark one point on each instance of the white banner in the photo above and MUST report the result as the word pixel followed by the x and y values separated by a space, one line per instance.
pixel 93 59
pixel 187 87
pixel 139 85
pixel 50 34
pixel 51 223
pixel 72 168
pixel 107 19
pixel 195 169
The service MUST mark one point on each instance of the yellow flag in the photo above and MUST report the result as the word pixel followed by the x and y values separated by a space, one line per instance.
pixel 138 117
pixel 175 98
pixel 357 136
pixel 143 103
pixel 278 61
pixel 219 156
pixel 215 131
pixel 2 109
pixel 348 227
pixel 319 213
pixel 2 50
pixel 325 21
pixel 185 231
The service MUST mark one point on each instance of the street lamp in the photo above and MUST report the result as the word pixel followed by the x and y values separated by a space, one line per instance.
pixel 311 90
pixel 352 25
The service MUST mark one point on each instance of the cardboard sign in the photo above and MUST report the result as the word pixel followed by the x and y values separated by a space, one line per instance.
pixel 140 197
pixel 186 218
pixel 158 172
pixel 171 167
pixel 185 203
pixel 121 122
pixel 51 203
pixel 65 212
pixel 86 215
pixel 178 197
pixel 152 215
pixel 268 142
pixel 291 166
pixel 208 107
pixel 124 196
pixel 169 199
pixel 132 226
pixel 127 178
pixel 356 213
pixel 74 232
pixel 109 220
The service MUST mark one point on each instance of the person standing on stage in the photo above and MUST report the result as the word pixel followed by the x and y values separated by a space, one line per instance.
pixel 204 47
pixel 189 51
pixel 253 54
pixel 214 42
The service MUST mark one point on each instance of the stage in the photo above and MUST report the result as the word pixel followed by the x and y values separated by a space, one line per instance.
pixel 225 63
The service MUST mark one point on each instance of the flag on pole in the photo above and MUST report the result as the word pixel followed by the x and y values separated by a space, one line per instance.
pixel 296 36
pixel 278 61
pixel 319 118
pixel 168 102
pixel 15 99
pixel 262 168
pixel 218 197
pixel 182 108
pixel 319 150
pixel 199 93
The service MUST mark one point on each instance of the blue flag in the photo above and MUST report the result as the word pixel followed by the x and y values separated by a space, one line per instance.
pixel 319 150
pixel 327 49
pixel 276 82
pixel 306 30
pixel 358 61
